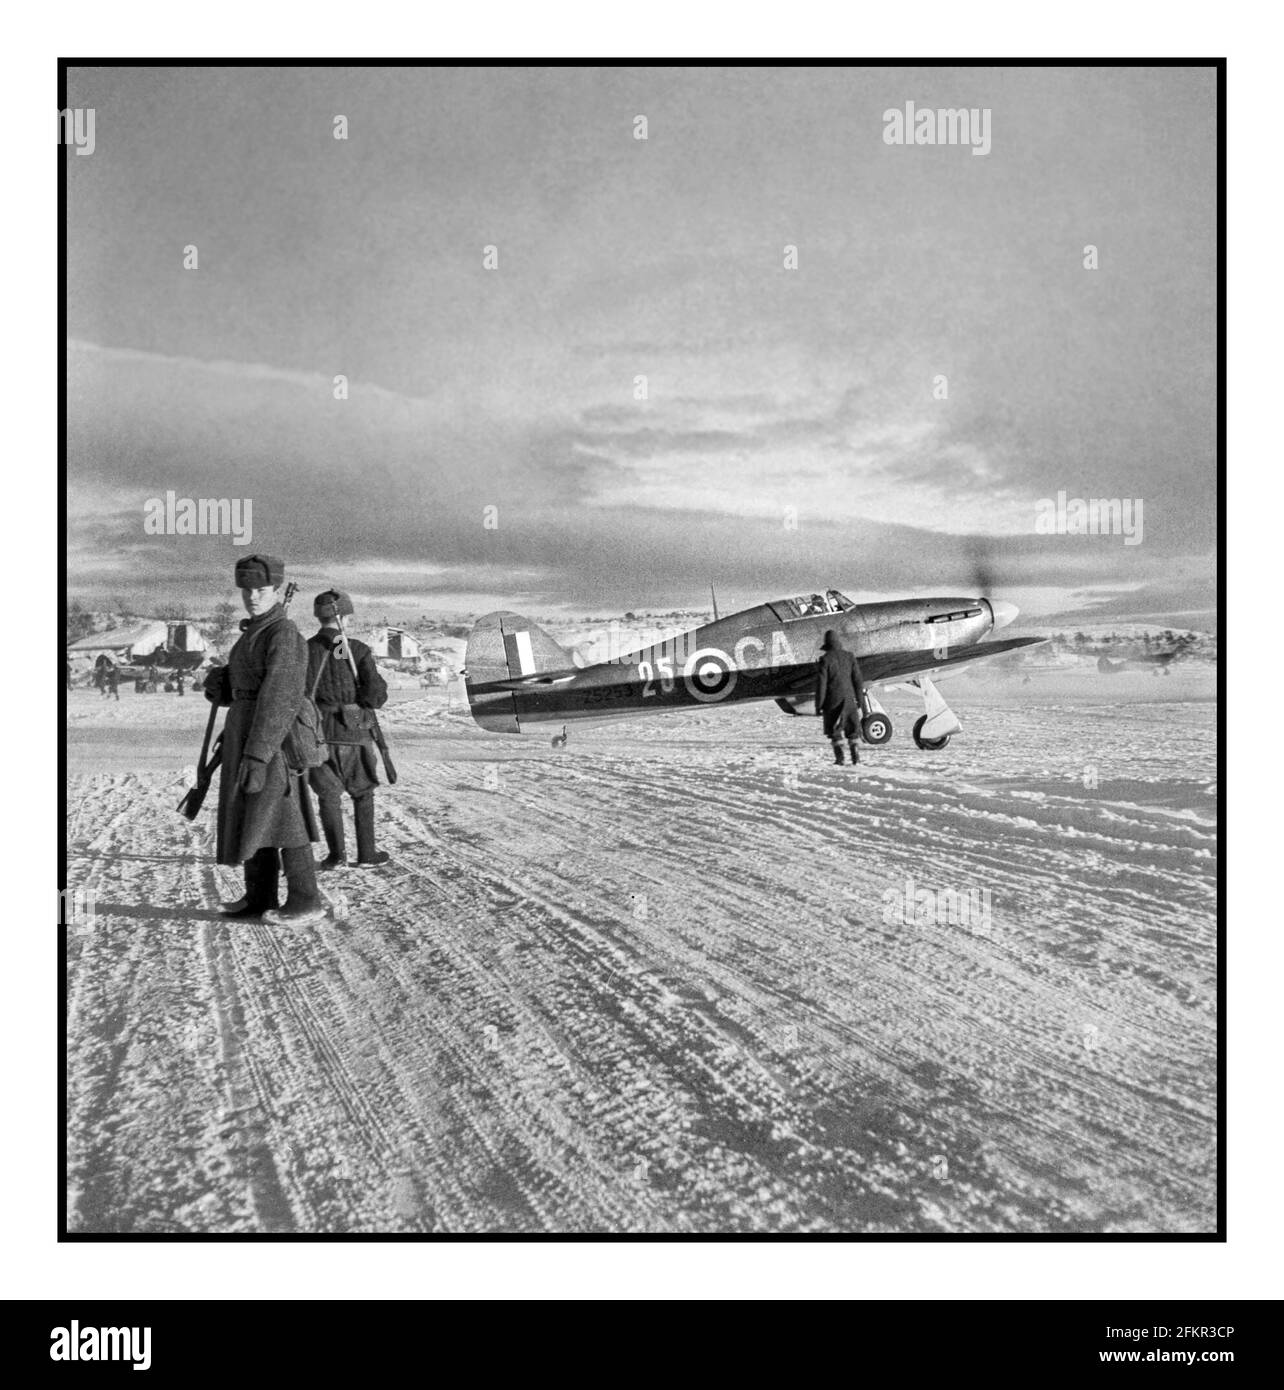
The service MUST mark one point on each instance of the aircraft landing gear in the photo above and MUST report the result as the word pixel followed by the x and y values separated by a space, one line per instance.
pixel 876 723
pixel 934 728
pixel 876 726
pixel 932 745
pixel 559 740
pixel 876 729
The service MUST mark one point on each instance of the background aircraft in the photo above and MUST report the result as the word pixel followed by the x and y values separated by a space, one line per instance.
pixel 517 676
pixel 1155 662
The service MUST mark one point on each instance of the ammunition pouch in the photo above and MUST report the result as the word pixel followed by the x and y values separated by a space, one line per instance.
pixel 304 746
pixel 352 725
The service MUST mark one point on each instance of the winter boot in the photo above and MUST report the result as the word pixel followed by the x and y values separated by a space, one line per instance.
pixel 363 811
pixel 303 903
pixel 262 879
pixel 838 753
pixel 332 824
pixel 854 750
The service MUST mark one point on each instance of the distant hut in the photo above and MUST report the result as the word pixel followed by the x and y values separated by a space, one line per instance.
pixel 395 645
pixel 155 643
pixel 121 645
pixel 183 636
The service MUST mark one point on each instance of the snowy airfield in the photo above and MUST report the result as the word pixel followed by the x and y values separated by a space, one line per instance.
pixel 684 976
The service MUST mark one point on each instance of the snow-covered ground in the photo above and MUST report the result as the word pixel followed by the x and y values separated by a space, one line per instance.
pixel 660 980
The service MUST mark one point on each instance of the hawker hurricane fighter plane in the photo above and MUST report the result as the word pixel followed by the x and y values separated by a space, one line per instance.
pixel 517 676
pixel 1154 662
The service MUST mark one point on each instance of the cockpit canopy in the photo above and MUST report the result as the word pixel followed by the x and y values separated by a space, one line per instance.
pixel 810 605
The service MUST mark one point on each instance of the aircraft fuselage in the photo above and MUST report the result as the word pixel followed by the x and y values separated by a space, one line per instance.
pixel 759 653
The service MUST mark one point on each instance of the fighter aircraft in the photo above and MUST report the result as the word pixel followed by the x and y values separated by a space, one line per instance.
pixel 517 676
pixel 1154 662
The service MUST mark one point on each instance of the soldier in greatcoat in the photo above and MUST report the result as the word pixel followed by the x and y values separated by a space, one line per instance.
pixel 264 815
pixel 345 703
pixel 840 696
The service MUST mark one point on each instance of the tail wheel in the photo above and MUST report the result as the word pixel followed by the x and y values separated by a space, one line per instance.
pixel 876 729
pixel 932 745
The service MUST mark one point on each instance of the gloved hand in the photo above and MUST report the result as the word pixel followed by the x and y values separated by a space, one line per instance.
pixel 213 684
pixel 252 776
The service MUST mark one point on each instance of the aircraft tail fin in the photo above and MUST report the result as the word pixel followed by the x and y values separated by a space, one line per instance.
pixel 504 647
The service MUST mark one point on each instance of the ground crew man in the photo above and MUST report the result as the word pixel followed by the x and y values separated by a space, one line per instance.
pixel 346 704
pixel 840 696
pixel 265 819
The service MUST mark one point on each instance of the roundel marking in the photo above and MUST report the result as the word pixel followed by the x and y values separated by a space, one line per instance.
pixel 710 675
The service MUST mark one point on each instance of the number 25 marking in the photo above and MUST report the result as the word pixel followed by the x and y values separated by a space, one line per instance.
pixel 647 676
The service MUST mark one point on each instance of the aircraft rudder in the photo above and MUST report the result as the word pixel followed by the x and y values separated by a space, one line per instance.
pixel 506 646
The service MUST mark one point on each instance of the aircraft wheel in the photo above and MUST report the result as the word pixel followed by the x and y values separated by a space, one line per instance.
pixel 876 729
pixel 932 745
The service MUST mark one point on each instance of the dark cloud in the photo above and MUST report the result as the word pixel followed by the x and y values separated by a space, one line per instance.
pixel 511 390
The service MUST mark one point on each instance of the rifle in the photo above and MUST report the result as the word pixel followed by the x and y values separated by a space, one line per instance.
pixel 191 804
pixel 380 742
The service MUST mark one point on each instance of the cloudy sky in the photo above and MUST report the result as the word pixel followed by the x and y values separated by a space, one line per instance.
pixel 790 438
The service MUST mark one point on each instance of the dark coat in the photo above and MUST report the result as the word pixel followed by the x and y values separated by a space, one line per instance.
pixel 262 685
pixel 352 763
pixel 840 693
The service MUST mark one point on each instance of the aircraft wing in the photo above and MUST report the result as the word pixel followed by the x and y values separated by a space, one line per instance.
pixel 886 668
